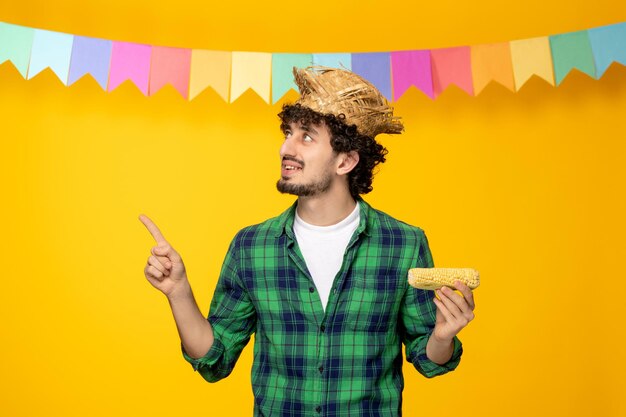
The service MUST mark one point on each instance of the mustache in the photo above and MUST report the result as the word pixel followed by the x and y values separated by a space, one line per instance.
pixel 291 158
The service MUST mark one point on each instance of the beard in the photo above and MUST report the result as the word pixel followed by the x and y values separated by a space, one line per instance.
pixel 305 190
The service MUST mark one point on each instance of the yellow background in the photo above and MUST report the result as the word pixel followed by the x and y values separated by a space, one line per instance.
pixel 526 187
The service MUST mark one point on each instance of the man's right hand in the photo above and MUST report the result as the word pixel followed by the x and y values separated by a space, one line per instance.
pixel 165 269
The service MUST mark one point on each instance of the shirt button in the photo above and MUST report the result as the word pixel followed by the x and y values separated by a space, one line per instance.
pixel 311 289
pixel 318 409
pixel 321 369
pixel 322 328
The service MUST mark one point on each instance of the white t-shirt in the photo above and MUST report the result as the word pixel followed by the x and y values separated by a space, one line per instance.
pixel 323 248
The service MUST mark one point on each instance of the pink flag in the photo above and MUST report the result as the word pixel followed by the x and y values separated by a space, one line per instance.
pixel 130 61
pixel 452 66
pixel 170 65
pixel 411 68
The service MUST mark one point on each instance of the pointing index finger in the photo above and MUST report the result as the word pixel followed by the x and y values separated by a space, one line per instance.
pixel 152 228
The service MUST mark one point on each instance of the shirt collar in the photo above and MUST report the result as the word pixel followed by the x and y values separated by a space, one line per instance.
pixel 284 222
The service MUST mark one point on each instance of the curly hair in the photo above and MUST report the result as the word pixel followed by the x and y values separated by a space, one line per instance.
pixel 344 138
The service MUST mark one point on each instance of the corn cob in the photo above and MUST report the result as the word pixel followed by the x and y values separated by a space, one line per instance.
pixel 434 278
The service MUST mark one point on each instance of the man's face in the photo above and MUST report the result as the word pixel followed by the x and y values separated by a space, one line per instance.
pixel 307 160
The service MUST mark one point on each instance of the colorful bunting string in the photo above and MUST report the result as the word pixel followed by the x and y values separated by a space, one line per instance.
pixel 230 74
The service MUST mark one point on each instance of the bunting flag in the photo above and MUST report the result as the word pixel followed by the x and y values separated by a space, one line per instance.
pixel 51 49
pixel 130 61
pixel 282 72
pixel 251 70
pixel 531 57
pixel 90 56
pixel 452 66
pixel 376 68
pixel 341 60
pixel 569 51
pixel 231 73
pixel 210 69
pixel 15 46
pixel 411 68
pixel 492 63
pixel 608 44
pixel 170 65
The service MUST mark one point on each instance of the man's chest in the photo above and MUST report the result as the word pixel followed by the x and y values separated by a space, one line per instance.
pixel 366 293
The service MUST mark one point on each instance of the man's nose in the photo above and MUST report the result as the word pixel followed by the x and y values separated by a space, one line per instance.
pixel 288 147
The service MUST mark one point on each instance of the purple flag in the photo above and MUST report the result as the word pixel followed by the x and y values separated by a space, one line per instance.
pixel 90 56
pixel 375 67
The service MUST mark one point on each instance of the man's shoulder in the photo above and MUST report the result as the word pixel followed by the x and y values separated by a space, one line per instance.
pixel 383 223
pixel 265 227
pixel 271 227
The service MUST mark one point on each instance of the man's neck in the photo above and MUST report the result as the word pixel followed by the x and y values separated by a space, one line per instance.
pixel 325 210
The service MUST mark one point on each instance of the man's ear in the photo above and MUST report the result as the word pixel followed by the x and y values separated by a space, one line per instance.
pixel 347 162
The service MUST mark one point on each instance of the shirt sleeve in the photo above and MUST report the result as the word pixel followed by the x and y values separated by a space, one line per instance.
pixel 233 318
pixel 418 317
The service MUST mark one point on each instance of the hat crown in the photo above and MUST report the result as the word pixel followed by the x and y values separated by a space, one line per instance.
pixel 338 91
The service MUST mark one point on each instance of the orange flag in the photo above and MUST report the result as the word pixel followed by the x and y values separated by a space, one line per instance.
pixel 492 62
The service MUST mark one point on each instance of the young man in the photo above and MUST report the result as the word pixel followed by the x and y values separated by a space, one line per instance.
pixel 324 285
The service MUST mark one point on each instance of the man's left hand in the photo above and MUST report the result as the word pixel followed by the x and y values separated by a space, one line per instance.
pixel 454 311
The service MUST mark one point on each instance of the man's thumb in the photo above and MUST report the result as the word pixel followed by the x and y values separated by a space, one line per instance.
pixel 159 250
pixel 166 251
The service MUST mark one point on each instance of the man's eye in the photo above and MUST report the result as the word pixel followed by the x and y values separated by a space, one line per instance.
pixel 307 138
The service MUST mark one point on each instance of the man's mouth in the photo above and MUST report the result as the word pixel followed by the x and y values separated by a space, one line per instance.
pixel 289 170
pixel 290 166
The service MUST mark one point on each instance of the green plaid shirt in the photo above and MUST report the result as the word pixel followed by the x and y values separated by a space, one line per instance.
pixel 344 361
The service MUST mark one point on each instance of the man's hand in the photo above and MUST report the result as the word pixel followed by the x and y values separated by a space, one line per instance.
pixel 454 311
pixel 165 269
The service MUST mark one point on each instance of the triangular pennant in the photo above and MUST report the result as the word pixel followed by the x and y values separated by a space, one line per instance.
pixel 251 70
pixel 170 65
pixel 334 60
pixel 375 67
pixel 53 50
pixel 531 57
pixel 411 68
pixel 210 69
pixel 15 45
pixel 452 66
pixel 282 72
pixel 130 61
pixel 569 51
pixel 492 62
pixel 608 44
pixel 90 56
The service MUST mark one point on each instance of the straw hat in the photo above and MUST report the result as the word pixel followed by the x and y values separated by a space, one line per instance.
pixel 334 91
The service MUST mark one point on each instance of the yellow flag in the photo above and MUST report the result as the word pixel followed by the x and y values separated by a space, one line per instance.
pixel 531 56
pixel 251 70
pixel 210 69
